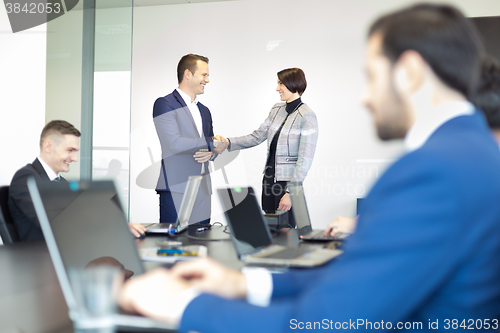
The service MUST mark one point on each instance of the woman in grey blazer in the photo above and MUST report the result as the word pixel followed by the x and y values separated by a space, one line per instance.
pixel 291 131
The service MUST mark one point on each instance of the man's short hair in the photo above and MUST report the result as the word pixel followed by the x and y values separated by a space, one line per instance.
pixel 294 80
pixel 60 127
pixel 189 61
pixel 488 93
pixel 442 35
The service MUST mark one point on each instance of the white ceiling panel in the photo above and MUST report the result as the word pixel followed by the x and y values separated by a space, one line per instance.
pixel 141 3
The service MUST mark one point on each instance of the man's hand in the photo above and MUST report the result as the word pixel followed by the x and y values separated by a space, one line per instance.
pixel 153 295
pixel 137 229
pixel 285 202
pixel 223 144
pixel 341 224
pixel 203 156
pixel 209 276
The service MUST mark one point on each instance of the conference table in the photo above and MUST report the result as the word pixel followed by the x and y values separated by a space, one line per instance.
pixel 31 300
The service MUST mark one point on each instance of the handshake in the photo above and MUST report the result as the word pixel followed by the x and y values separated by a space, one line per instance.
pixel 222 145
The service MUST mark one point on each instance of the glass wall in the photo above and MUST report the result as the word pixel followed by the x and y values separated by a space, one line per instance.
pixel 111 107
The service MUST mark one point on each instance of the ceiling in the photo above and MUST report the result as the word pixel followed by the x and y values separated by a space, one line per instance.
pixel 139 3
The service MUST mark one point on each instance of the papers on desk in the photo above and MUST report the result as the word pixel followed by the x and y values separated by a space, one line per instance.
pixel 159 254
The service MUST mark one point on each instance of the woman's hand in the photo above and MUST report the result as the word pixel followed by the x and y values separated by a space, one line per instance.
pixel 285 202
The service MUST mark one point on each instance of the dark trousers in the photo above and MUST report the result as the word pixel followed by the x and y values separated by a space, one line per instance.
pixel 271 196
pixel 168 212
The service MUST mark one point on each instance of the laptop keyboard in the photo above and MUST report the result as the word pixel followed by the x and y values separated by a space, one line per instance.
pixel 161 226
pixel 288 253
pixel 321 235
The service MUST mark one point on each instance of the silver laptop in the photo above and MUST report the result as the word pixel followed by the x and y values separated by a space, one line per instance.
pixel 251 236
pixel 83 222
pixel 187 204
pixel 301 215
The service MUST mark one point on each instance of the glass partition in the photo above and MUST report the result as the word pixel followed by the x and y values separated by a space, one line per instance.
pixel 111 108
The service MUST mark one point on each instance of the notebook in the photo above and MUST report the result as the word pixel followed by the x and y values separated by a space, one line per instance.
pixel 301 214
pixel 187 204
pixel 251 236
pixel 82 223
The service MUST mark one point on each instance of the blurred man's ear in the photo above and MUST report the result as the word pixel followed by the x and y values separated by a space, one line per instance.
pixel 409 72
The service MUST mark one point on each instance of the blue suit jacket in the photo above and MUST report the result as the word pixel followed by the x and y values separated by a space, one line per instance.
pixel 179 140
pixel 427 247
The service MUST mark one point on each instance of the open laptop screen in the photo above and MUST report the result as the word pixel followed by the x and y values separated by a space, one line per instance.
pixel 88 224
pixel 188 201
pixel 248 229
pixel 300 212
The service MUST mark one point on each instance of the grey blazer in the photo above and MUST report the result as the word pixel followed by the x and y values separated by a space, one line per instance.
pixel 179 139
pixel 296 143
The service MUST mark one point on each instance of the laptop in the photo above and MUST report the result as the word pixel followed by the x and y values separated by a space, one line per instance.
pixel 251 236
pixel 187 204
pixel 76 235
pixel 301 214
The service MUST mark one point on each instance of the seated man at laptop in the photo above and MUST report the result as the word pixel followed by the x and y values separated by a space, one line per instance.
pixel 426 249
pixel 59 146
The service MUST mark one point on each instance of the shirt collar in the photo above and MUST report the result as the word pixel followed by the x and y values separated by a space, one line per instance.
pixel 429 122
pixel 48 170
pixel 186 97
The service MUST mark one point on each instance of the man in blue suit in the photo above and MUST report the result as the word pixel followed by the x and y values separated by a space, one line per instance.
pixel 426 251
pixel 184 127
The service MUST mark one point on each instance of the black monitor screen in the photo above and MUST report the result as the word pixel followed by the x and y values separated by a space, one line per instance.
pixel 248 229
pixel 89 225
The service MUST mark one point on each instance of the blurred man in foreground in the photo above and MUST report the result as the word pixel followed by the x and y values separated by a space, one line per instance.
pixel 425 254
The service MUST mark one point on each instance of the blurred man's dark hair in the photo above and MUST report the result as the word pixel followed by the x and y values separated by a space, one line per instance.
pixel 487 97
pixel 442 35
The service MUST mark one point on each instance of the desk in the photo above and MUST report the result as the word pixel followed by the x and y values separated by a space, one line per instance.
pixel 221 250
pixel 31 300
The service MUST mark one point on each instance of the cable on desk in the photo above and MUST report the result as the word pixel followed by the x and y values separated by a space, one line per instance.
pixel 208 239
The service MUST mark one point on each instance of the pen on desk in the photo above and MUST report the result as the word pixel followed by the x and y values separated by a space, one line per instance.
pixel 202 229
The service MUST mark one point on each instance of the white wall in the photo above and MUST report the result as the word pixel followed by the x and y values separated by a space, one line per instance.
pixel 22 91
pixel 247 43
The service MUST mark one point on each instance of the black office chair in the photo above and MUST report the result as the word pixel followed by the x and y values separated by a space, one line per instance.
pixel 8 230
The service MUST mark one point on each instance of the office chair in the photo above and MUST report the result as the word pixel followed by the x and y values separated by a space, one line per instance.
pixel 8 230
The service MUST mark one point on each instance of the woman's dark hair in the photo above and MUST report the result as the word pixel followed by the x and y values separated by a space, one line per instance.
pixel 442 35
pixel 294 79
pixel 487 98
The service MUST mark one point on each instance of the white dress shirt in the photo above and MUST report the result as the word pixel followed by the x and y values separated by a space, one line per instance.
pixel 430 120
pixel 195 112
pixel 48 170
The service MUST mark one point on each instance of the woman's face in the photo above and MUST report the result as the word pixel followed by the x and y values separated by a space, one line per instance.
pixel 285 94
